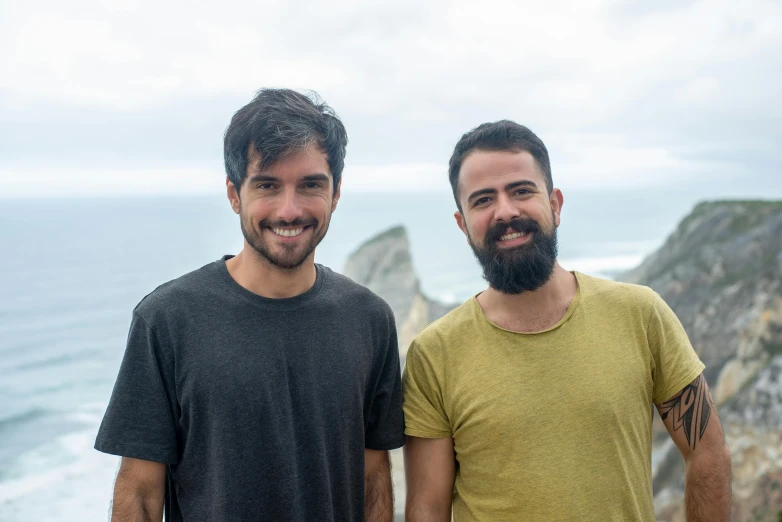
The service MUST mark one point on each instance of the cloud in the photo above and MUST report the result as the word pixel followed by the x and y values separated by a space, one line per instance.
pixel 621 93
pixel 698 91
pixel 142 52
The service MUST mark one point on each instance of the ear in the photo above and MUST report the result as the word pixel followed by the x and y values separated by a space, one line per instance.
pixel 337 193
pixel 233 195
pixel 557 200
pixel 460 221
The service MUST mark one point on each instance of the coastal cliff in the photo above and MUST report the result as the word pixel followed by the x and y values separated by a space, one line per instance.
pixel 384 265
pixel 721 272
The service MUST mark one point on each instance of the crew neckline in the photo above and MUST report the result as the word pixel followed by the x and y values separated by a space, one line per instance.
pixel 271 303
pixel 570 310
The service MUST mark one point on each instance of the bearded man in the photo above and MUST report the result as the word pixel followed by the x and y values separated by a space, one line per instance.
pixel 533 400
pixel 263 386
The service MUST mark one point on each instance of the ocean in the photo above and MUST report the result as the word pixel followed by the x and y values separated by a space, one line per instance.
pixel 73 269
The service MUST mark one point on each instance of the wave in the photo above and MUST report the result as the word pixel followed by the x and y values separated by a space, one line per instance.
pixel 55 360
pixel 603 265
pixel 63 321
pixel 23 417
pixel 64 468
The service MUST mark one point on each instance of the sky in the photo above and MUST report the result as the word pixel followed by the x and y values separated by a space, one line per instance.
pixel 132 96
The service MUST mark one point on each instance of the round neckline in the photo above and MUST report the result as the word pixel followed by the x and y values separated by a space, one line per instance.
pixel 570 310
pixel 270 303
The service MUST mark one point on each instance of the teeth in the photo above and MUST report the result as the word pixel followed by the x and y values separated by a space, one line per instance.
pixel 288 232
pixel 508 237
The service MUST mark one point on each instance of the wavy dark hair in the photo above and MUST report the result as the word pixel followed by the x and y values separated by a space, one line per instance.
pixel 279 122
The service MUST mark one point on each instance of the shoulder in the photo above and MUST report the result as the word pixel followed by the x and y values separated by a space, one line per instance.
pixel 616 294
pixel 174 296
pixel 450 330
pixel 345 292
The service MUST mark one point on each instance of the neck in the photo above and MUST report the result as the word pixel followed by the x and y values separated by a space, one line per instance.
pixel 261 277
pixel 542 305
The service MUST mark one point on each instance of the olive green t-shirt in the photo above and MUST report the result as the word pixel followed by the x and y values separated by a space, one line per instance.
pixel 554 425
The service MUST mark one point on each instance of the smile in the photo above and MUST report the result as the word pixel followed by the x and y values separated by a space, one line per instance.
pixel 514 235
pixel 288 232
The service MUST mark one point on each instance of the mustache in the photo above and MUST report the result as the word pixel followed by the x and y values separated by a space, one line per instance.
pixel 524 225
pixel 280 223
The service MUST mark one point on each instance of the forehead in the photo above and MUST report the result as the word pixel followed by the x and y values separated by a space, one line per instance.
pixel 309 160
pixel 492 169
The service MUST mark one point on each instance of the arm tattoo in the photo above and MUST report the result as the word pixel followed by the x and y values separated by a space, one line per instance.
pixel 690 410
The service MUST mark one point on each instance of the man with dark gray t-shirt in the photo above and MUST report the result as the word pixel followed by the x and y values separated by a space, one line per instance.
pixel 262 386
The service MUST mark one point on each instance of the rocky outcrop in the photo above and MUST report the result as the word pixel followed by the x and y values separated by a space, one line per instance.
pixel 721 272
pixel 384 265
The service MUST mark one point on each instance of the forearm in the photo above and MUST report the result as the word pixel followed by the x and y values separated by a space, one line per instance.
pixel 379 496
pixel 133 505
pixel 707 487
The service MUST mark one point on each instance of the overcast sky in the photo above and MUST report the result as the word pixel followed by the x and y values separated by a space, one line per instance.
pixel 125 96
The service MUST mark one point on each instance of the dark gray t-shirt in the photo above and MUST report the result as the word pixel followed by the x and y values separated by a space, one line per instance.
pixel 261 408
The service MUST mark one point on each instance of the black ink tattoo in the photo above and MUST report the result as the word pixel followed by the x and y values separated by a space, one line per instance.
pixel 690 410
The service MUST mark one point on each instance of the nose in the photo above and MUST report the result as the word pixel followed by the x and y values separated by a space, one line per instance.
pixel 505 210
pixel 289 207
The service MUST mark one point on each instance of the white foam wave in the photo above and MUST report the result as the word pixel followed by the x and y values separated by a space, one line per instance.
pixel 66 480
pixel 602 265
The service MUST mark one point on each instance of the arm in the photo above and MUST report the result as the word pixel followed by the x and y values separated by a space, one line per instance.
pixel 430 471
pixel 378 491
pixel 691 419
pixel 139 491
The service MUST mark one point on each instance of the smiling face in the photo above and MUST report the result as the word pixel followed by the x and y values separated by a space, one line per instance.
pixel 509 218
pixel 286 209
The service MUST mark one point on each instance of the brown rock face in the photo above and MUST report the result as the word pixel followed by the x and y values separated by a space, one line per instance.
pixel 384 265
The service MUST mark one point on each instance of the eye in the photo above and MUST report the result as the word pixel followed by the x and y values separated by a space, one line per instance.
pixel 264 186
pixel 312 185
pixel 481 201
pixel 522 192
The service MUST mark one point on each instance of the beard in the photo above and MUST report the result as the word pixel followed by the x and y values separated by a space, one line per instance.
pixel 292 255
pixel 522 269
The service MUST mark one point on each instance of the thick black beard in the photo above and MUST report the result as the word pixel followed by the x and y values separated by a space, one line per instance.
pixel 522 269
pixel 262 250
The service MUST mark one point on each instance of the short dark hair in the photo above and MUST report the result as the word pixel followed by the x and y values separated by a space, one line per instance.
pixel 278 122
pixel 503 135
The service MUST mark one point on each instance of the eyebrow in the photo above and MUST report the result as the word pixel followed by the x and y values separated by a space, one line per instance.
pixel 261 178
pixel 508 187
pixel 316 177
pixel 257 178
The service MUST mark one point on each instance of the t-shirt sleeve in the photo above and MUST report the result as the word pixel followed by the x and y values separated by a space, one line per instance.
pixel 425 414
pixel 139 421
pixel 386 425
pixel 675 362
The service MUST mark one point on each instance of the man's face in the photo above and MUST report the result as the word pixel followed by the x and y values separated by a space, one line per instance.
pixel 509 219
pixel 285 210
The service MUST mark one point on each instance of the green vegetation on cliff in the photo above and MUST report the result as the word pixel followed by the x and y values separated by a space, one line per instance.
pixel 751 212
